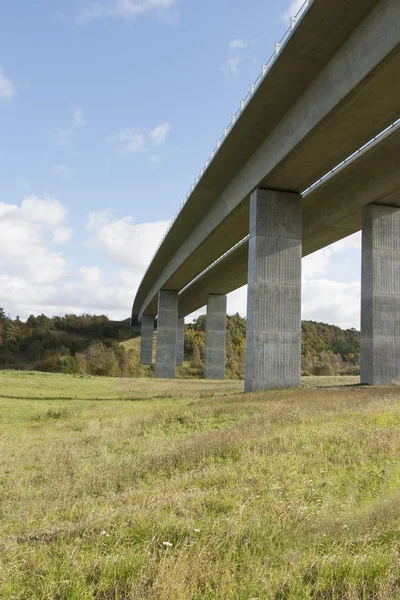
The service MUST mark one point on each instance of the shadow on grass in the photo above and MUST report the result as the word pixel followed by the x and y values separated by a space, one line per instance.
pixel 51 399
pixel 76 399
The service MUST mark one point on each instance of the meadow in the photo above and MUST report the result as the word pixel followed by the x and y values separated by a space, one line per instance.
pixel 124 489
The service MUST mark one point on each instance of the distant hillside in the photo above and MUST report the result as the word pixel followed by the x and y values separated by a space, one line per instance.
pixel 326 349
pixel 95 345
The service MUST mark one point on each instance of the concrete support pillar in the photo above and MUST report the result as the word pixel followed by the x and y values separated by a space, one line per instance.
pixel 380 296
pixel 214 367
pixel 146 339
pixel 273 343
pixel 167 324
pixel 180 341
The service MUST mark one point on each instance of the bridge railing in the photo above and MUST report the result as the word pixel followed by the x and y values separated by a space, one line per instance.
pixel 349 158
pixel 294 21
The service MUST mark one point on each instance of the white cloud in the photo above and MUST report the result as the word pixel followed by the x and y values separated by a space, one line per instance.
pixel 45 212
pixel 63 170
pixel 89 289
pixel 35 279
pixel 233 65
pixel 78 119
pixel 129 140
pixel 63 136
pixel 320 263
pixel 125 9
pixel 326 299
pixel 26 256
pixel 333 302
pixel 98 219
pixel 160 133
pixel 293 9
pixel 62 235
pixel 92 275
pixel 135 140
pixel 236 57
pixel 7 88
pixel 124 242
pixel 238 44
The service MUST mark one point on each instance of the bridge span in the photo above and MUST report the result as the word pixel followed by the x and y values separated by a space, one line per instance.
pixel 252 215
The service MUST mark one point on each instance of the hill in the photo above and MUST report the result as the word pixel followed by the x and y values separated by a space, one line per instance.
pixel 96 345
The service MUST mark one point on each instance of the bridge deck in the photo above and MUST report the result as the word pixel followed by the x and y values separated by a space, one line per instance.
pixel 334 86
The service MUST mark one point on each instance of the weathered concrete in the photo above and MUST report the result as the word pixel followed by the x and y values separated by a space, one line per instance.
pixel 180 341
pixel 167 325
pixel 146 340
pixel 331 210
pixel 282 141
pixel 214 366
pixel 273 344
pixel 380 296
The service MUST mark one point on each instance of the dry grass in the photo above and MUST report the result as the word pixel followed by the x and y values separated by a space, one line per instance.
pixel 277 495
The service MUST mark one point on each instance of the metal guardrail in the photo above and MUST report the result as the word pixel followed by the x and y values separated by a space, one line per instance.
pixel 214 263
pixel 351 157
pixel 294 21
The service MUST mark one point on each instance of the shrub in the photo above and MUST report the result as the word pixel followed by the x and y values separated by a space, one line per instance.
pixel 50 363
pixel 322 369
pixel 67 364
pixel 196 362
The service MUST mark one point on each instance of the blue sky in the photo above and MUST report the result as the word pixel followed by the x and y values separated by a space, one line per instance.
pixel 108 110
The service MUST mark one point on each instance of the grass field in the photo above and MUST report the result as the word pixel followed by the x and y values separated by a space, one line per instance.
pixel 117 489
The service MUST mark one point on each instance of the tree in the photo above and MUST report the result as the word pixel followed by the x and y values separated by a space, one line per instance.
pixel 9 334
pixel 200 323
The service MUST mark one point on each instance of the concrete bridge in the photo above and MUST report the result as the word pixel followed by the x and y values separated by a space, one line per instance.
pixel 259 206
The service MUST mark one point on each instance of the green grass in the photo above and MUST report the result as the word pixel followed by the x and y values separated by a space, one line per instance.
pixel 275 495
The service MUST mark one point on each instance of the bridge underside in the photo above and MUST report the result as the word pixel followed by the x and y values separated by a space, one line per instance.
pixel 331 211
pixel 348 100
pixel 337 82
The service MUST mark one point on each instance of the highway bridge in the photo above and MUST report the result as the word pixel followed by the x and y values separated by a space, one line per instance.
pixel 311 156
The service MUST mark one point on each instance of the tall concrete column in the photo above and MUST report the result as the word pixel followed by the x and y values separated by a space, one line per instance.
pixel 180 341
pixel 214 367
pixel 380 295
pixel 273 342
pixel 146 339
pixel 167 324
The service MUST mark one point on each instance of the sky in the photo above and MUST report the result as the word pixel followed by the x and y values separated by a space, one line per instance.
pixel 108 110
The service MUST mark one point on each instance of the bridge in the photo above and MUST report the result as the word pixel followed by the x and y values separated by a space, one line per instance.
pixel 311 156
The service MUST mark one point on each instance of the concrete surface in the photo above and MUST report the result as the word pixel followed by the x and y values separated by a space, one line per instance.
pixel 146 340
pixel 380 296
pixel 338 86
pixel 273 343
pixel 167 325
pixel 214 366
pixel 331 211
pixel 180 341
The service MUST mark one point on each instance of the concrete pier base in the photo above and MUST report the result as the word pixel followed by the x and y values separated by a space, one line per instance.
pixel 167 325
pixel 380 295
pixel 180 341
pixel 273 342
pixel 214 367
pixel 146 339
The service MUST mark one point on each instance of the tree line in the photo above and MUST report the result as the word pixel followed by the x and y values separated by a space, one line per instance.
pixel 96 345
